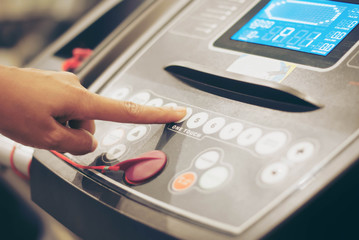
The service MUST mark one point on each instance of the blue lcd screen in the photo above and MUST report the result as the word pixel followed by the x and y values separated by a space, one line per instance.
pixel 311 26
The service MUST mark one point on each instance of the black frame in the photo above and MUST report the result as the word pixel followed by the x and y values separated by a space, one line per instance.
pixel 94 34
pixel 287 55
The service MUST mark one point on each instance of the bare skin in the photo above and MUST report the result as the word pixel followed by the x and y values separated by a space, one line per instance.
pixel 36 106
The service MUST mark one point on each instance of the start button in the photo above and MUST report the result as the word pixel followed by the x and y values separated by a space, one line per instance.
pixel 184 181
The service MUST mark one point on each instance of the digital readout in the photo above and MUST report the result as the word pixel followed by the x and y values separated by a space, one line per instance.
pixel 315 26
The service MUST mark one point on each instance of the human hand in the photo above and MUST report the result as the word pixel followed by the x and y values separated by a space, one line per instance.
pixel 37 105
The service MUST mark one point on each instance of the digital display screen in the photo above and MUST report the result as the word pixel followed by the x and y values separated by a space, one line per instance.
pixel 310 26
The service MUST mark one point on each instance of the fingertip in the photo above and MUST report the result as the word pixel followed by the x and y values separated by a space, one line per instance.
pixel 94 144
pixel 178 112
pixel 77 142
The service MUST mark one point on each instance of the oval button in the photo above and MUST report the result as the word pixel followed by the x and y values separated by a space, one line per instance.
pixel 197 120
pixel 213 125
pixel 136 133
pixel 214 177
pixel 171 104
pixel 120 94
pixel 156 102
pixel 249 136
pixel 231 131
pixel 207 159
pixel 271 142
pixel 113 137
pixel 116 152
pixel 140 98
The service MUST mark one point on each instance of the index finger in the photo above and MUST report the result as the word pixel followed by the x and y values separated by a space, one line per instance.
pixel 107 109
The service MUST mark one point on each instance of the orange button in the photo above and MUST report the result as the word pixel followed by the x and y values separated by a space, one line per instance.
pixel 184 181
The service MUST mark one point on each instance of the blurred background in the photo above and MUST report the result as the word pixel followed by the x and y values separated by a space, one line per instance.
pixel 27 27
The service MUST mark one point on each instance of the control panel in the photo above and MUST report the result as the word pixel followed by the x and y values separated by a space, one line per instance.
pixel 271 94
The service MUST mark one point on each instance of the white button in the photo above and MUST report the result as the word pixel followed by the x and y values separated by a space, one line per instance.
pixel 300 151
pixel 120 94
pixel 213 177
pixel 116 152
pixel 156 102
pixel 197 120
pixel 213 125
pixel 231 131
pixel 172 104
pixel 274 173
pixel 113 137
pixel 140 98
pixel 249 136
pixel 188 114
pixel 271 142
pixel 207 159
pixel 136 133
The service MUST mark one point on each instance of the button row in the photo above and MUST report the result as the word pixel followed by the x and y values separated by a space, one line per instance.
pixel 142 98
pixel 265 144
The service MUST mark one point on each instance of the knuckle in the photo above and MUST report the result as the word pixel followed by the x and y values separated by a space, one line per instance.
pixel 83 94
pixel 133 110
pixel 71 77
pixel 77 97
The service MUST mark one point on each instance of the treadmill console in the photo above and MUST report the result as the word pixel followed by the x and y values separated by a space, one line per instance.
pixel 271 92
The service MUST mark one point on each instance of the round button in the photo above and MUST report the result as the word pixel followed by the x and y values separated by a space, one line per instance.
pixel 136 133
pixel 300 151
pixel 207 159
pixel 184 181
pixel 116 152
pixel 140 98
pixel 213 125
pixel 271 142
pixel 231 131
pixel 197 120
pixel 156 102
pixel 120 94
pixel 113 137
pixel 249 136
pixel 274 173
pixel 188 114
pixel 213 177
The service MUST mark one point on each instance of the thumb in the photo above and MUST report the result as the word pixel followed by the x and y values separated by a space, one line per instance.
pixel 74 141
